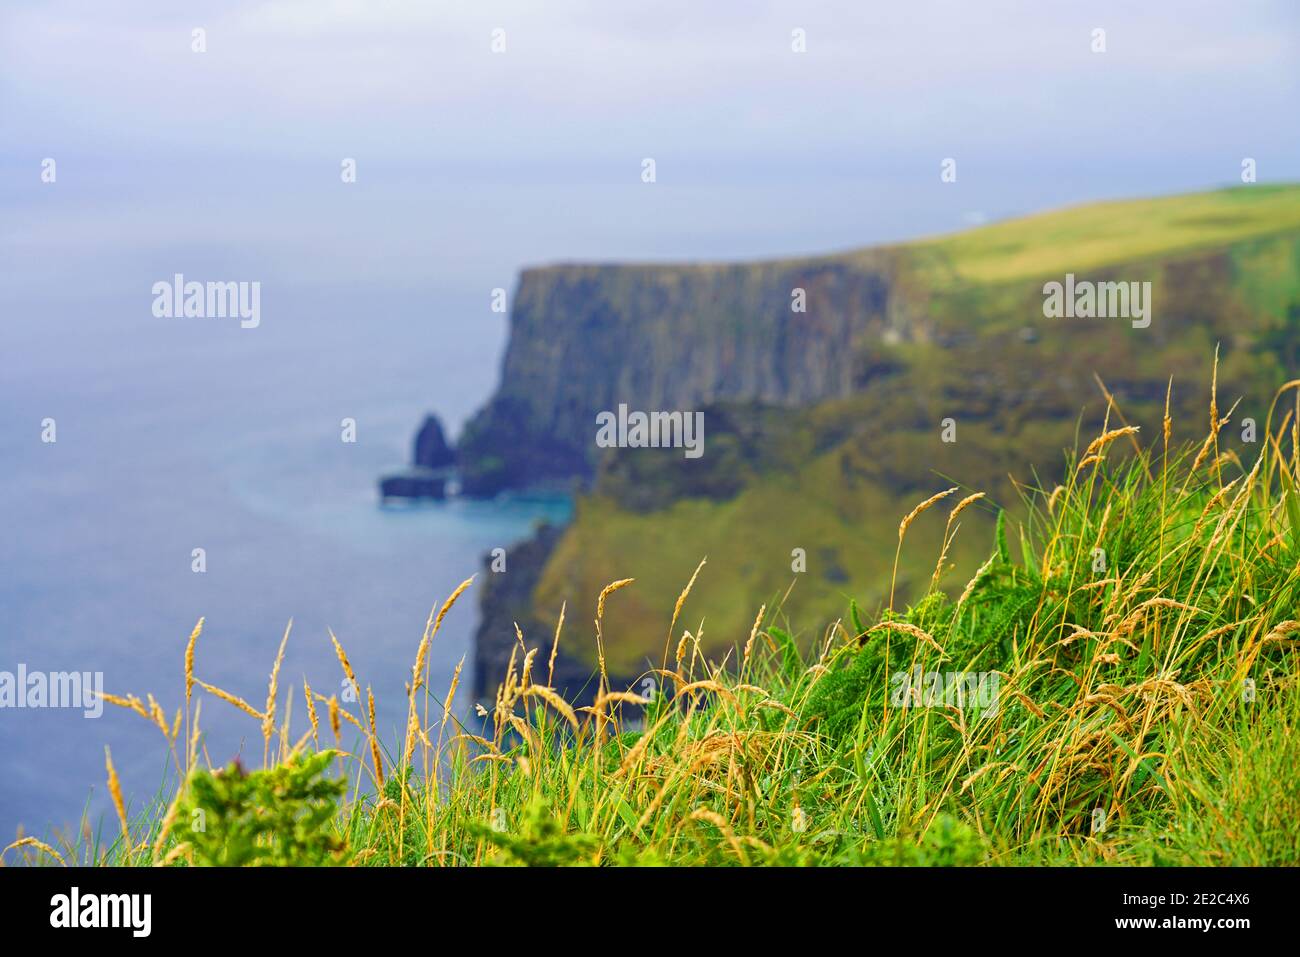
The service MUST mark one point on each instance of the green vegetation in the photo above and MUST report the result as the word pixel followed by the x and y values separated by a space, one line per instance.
pixel 1138 625
pixel 277 817
pixel 1101 235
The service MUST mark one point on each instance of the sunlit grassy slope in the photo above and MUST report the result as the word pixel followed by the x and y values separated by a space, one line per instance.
pixel 1107 234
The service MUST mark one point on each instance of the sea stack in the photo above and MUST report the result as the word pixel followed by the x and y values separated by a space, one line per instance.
pixel 432 461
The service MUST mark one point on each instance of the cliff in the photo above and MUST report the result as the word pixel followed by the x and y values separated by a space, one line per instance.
pixel 823 427
pixel 584 339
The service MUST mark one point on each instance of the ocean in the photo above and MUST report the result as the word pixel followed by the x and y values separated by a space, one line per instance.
pixel 179 434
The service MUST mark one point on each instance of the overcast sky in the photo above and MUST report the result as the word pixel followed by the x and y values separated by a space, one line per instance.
pixel 472 164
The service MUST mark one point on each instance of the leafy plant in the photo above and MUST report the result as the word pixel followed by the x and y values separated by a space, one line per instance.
pixel 282 816
pixel 541 842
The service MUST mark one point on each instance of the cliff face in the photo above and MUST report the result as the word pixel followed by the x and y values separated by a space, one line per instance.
pixel 584 339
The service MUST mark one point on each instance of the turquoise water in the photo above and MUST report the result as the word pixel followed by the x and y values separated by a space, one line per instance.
pixel 174 435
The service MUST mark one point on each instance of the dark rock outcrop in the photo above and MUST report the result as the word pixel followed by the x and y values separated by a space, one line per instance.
pixel 414 483
pixel 433 464
pixel 431 448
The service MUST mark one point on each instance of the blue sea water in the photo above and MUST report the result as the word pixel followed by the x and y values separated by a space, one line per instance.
pixel 176 434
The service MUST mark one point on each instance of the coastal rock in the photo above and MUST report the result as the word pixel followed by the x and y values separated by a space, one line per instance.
pixel 431 448
pixel 414 483
pixel 433 465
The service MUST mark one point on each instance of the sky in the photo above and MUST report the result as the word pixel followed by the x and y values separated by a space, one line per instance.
pixel 472 164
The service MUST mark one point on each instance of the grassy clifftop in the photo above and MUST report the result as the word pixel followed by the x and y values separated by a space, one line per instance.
pixel 826 475
pixel 1108 234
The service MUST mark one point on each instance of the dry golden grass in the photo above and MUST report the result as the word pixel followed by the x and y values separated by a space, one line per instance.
pixel 189 660
pixel 311 712
pixel 115 791
pixel 272 692
pixel 229 698
pixel 39 845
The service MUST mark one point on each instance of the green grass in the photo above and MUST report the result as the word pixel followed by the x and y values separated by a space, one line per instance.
pixel 1148 712
pixel 1099 235
pixel 749 542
